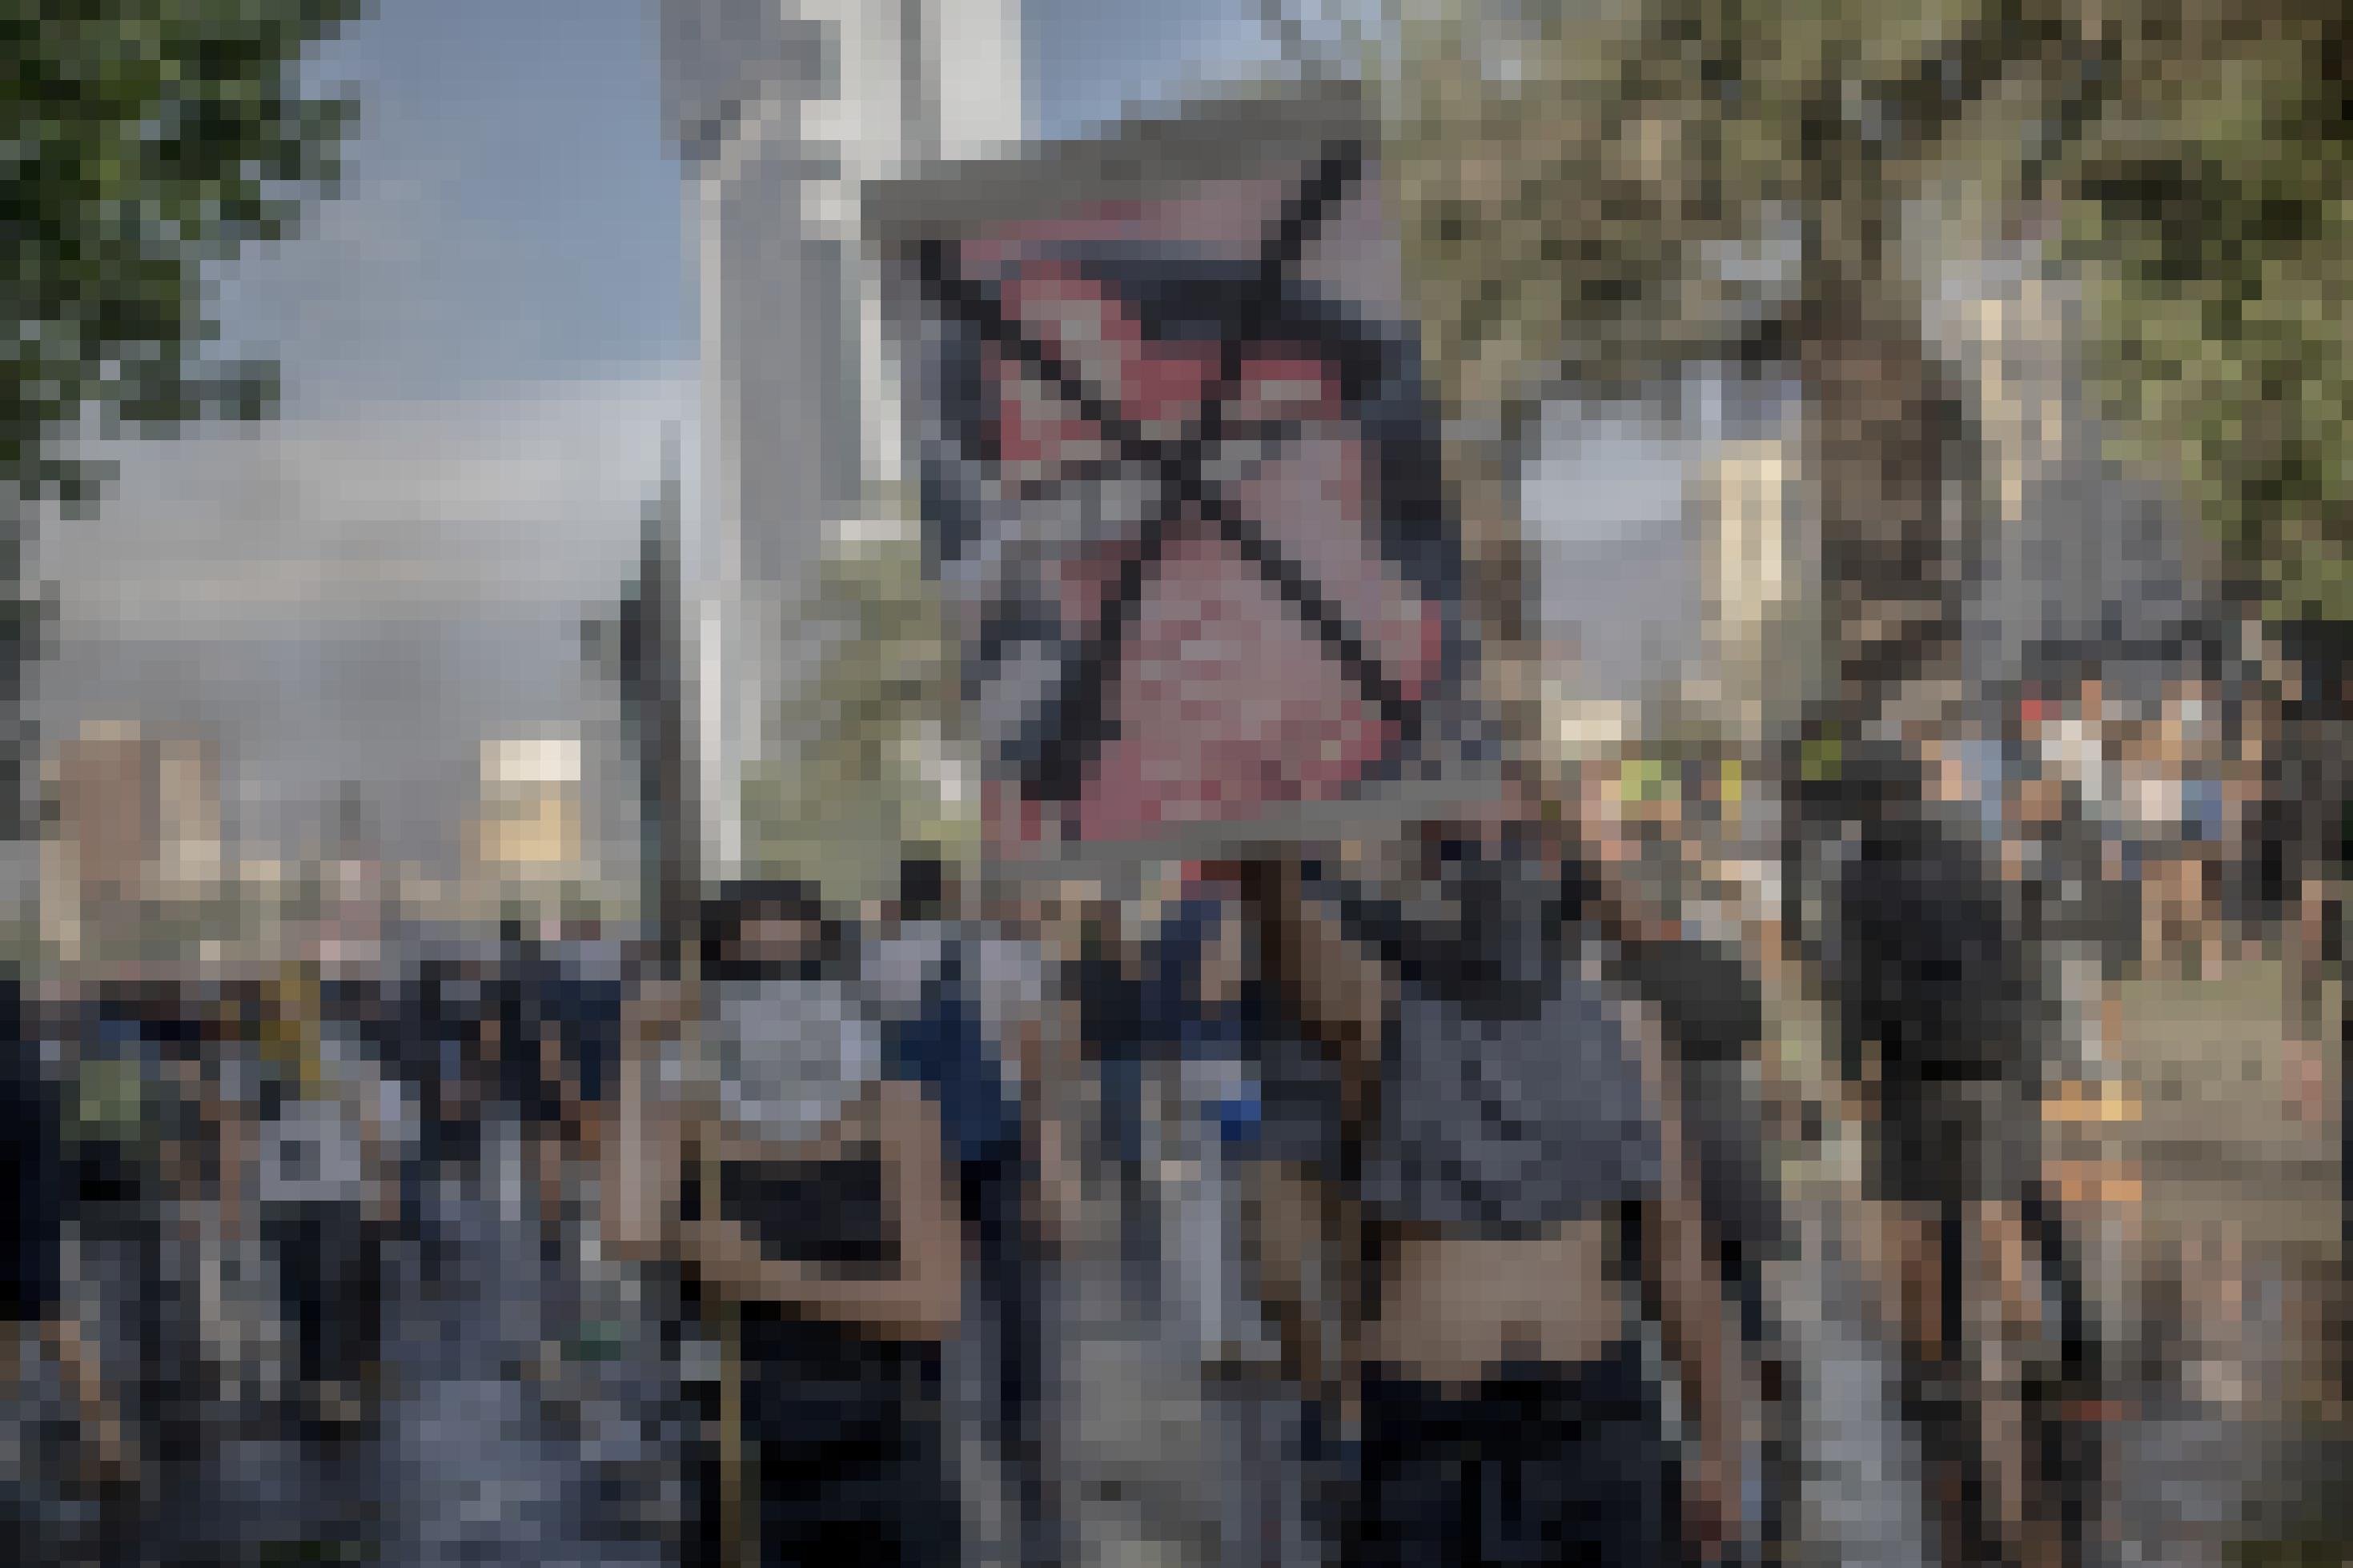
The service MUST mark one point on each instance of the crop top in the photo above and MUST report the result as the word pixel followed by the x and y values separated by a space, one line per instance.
pixel 829 1213
pixel 1512 1094
pixel 1507 1125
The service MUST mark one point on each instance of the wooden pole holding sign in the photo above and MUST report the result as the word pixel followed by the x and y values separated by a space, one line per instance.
pixel 657 1140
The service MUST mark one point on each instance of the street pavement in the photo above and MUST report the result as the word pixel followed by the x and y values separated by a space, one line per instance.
pixel 525 1417
pixel 1858 1497
pixel 531 1415
pixel 2220 1446
pixel 528 1412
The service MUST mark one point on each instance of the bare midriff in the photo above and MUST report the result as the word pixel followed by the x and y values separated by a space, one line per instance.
pixel 1454 1306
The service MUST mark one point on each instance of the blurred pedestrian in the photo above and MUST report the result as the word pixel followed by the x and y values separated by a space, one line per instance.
pixel 1942 1032
pixel 329 1190
pixel 595 985
pixel 954 998
pixel 445 1040
pixel 36 1174
pixel 535 1088
pixel 1270 1261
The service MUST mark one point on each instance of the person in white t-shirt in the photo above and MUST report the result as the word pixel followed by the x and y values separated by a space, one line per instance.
pixel 328 1185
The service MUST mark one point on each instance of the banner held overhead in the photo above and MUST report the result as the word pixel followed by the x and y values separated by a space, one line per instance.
pixel 1180 485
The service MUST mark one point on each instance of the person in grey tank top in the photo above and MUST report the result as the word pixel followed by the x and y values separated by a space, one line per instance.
pixel 1525 1204
pixel 1512 1123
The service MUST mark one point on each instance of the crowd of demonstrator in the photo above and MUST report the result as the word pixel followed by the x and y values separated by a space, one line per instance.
pixel 1358 1203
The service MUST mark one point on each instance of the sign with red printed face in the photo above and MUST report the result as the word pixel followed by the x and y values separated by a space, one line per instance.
pixel 1180 486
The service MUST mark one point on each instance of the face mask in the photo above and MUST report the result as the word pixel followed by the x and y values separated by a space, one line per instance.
pixel 1510 908
pixel 786 1055
pixel 1502 946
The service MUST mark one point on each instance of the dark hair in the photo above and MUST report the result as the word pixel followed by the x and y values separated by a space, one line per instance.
pixel 720 922
pixel 1498 956
pixel 1869 780
pixel 1926 959
pixel 922 888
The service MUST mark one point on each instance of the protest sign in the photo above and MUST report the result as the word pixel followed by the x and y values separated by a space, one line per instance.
pixel 1180 486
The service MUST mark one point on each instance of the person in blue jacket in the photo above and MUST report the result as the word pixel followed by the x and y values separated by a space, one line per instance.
pixel 924 971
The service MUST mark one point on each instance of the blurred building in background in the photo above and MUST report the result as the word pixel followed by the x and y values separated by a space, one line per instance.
pixel 524 845
pixel 2072 552
pixel 134 817
pixel 1761 575
pixel 779 111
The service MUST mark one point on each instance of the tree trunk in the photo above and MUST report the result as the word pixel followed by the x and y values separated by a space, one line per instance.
pixel 1886 448
pixel 1889 475
pixel 1498 577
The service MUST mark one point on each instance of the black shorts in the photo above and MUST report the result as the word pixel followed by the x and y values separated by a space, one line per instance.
pixel 329 1263
pixel 846 1433
pixel 524 1083
pixel 32 1170
pixel 1953 1139
pixel 1544 1464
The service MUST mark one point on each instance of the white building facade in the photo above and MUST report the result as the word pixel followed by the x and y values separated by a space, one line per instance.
pixel 779 111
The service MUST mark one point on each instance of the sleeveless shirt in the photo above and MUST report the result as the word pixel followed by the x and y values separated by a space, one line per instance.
pixel 1507 1125
pixel 1512 1096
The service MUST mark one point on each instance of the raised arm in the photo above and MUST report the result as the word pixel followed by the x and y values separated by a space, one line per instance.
pixel 1045 1049
pixel 641 1161
pixel 1687 1295
pixel 1340 988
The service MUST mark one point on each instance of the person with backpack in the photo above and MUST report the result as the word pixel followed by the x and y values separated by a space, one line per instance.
pixel 953 996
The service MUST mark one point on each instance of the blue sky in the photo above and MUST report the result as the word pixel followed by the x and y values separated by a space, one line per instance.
pixel 483 339
pixel 511 216
pixel 1088 58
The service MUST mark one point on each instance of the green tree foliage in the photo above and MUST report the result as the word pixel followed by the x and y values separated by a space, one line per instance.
pixel 1581 185
pixel 865 782
pixel 144 143
pixel 1585 186
pixel 147 141
pixel 2212 210
pixel 1587 195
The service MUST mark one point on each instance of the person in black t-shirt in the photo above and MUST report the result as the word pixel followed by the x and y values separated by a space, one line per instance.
pixel 1940 1029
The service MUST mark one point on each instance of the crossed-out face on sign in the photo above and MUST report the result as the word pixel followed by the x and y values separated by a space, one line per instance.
pixel 1261 647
